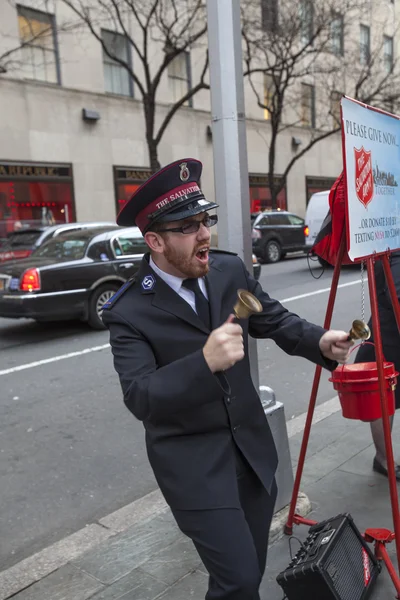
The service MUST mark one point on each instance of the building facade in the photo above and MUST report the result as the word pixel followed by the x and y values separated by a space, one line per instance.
pixel 72 133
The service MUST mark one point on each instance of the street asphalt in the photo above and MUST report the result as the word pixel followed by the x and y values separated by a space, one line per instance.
pixel 70 451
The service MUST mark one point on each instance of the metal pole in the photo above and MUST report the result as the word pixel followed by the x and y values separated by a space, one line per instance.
pixel 394 498
pixel 314 391
pixel 229 136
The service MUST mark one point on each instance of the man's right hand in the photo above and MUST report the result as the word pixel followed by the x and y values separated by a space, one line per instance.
pixel 224 346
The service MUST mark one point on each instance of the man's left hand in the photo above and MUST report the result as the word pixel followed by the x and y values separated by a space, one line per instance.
pixel 335 345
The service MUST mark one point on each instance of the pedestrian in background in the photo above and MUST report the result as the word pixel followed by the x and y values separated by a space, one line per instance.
pixel 184 371
pixel 391 353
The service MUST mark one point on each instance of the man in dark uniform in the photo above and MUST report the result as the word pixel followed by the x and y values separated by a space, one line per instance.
pixel 184 371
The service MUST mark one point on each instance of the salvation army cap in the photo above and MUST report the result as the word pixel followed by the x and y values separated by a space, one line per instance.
pixel 171 194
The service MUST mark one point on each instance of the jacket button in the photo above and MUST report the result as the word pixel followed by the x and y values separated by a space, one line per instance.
pixel 236 428
pixel 227 400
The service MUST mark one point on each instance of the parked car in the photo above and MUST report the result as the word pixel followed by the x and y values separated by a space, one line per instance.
pixel 72 275
pixel 20 244
pixel 277 232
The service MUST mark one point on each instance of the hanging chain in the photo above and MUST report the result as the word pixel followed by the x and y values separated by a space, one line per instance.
pixel 362 293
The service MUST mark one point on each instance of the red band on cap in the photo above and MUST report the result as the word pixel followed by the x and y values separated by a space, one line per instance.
pixel 142 220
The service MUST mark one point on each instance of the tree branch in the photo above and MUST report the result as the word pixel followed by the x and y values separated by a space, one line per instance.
pixel 168 117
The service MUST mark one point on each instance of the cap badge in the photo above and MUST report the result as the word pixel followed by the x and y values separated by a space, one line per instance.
pixel 148 282
pixel 185 173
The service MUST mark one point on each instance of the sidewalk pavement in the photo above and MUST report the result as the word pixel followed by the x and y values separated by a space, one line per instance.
pixel 152 559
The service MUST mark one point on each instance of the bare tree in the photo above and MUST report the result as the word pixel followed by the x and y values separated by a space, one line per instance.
pixel 174 26
pixel 301 57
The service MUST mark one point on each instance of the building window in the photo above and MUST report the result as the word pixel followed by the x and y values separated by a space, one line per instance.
pixel 365 44
pixel 179 77
pixel 268 96
pixel 37 34
pixel 127 180
pixel 116 77
pixel 306 9
pixel 307 105
pixel 318 184
pixel 260 194
pixel 269 14
pixel 388 53
pixel 335 108
pixel 337 34
pixel 35 194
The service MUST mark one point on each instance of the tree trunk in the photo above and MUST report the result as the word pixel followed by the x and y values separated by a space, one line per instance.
pixel 149 106
pixel 153 155
pixel 271 167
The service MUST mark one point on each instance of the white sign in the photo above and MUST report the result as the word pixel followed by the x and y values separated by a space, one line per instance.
pixel 371 155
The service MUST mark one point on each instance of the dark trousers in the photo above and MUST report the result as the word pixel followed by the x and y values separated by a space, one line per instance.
pixel 233 543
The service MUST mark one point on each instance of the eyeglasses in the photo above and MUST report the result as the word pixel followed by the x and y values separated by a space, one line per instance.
pixel 194 226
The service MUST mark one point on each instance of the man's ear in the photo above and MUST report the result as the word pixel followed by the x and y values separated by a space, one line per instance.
pixel 154 241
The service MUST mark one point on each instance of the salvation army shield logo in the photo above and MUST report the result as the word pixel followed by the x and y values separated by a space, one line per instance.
pixel 184 172
pixel 364 176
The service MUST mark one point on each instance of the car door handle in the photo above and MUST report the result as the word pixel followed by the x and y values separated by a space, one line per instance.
pixel 126 265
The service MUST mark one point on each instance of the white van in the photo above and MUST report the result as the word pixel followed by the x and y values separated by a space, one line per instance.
pixel 317 209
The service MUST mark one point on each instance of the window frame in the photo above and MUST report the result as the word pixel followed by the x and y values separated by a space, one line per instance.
pixel 390 39
pixel 365 56
pixel 339 95
pixel 337 16
pixel 21 9
pixel 110 61
pixel 306 21
pixel 269 15
pixel 188 79
pixel 312 123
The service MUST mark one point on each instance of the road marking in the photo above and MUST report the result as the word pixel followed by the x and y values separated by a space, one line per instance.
pixel 52 558
pixel 321 412
pixel 46 361
pixel 322 291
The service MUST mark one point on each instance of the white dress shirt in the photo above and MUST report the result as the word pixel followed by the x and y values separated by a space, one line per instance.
pixel 176 284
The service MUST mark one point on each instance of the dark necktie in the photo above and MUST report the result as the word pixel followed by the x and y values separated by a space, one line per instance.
pixel 202 305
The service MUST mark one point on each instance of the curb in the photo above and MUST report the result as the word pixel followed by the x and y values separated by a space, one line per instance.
pixel 50 559
pixel 303 508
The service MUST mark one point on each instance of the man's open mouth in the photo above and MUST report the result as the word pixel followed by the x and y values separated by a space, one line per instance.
pixel 202 255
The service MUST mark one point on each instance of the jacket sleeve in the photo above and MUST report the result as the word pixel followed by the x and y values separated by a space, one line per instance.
pixel 151 392
pixel 292 334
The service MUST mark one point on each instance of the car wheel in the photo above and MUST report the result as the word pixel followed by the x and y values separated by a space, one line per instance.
pixel 99 297
pixel 273 252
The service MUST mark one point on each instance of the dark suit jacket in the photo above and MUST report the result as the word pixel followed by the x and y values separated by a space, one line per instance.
pixel 190 415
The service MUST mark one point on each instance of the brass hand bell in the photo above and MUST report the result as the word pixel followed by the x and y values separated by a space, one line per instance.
pixel 247 304
pixel 359 331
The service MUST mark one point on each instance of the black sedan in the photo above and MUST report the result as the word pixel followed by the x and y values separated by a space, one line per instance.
pixel 73 275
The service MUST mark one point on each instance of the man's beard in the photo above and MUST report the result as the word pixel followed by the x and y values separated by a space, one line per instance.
pixel 188 265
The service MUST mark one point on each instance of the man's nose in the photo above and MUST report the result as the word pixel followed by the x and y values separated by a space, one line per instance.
pixel 204 232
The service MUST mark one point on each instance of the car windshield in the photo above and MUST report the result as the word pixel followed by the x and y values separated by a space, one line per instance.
pixel 63 248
